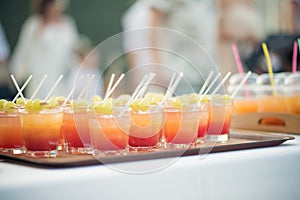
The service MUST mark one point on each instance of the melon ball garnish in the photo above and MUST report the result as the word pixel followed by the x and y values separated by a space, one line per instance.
pixel 9 107
pixel 122 100
pixel 104 107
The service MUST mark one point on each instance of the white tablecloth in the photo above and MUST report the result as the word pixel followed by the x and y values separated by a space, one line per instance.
pixel 262 173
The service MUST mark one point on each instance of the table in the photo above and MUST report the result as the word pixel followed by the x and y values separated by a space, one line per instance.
pixel 262 173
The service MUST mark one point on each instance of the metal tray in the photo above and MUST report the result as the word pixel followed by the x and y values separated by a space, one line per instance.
pixel 239 140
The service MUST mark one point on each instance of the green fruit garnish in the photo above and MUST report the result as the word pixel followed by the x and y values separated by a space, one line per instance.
pixel 2 102
pixel 20 102
pixel 194 98
pixel 9 107
pixel 140 104
pixel 33 106
pixel 122 100
pixel 104 107
pixel 96 98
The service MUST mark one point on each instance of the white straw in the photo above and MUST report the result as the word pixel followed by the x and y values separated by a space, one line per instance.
pixel 137 89
pixel 240 85
pixel 53 87
pixel 109 84
pixel 90 78
pixel 134 94
pixel 221 83
pixel 72 91
pixel 17 87
pixel 209 87
pixel 114 86
pixel 23 87
pixel 145 86
pixel 206 82
pixel 38 87
pixel 171 81
pixel 172 89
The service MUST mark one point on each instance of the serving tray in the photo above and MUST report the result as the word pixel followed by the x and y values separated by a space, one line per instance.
pixel 273 122
pixel 239 140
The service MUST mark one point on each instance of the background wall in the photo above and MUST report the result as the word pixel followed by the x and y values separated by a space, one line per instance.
pixel 98 19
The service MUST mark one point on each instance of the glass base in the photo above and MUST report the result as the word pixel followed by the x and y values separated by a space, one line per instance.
pixel 79 150
pixel 101 153
pixel 200 140
pixel 180 146
pixel 42 154
pixel 218 138
pixel 14 151
pixel 143 149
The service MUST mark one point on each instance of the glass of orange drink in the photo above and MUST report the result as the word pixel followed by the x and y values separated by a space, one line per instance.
pixel 146 122
pixel 220 113
pixel 245 99
pixel 182 121
pixel 292 93
pixel 11 138
pixel 109 127
pixel 41 127
pixel 76 131
pixel 270 98
pixel 203 122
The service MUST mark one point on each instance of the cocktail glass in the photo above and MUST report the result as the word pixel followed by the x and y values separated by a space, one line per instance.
pixel 109 132
pixel 11 138
pixel 41 131
pixel 145 128
pixel 76 131
pixel 219 120
pixel 181 126
pixel 203 122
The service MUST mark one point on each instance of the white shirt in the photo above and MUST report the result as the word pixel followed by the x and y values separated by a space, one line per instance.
pixel 48 50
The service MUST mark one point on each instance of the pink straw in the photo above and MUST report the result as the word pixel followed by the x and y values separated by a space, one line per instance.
pixel 239 63
pixel 237 59
pixel 295 54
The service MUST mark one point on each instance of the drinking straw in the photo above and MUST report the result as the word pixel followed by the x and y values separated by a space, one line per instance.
pixel 295 54
pixel 237 58
pixel 114 87
pixel 171 81
pixel 240 85
pixel 17 87
pixel 23 87
pixel 298 40
pixel 212 84
pixel 134 94
pixel 38 87
pixel 72 91
pixel 145 86
pixel 206 82
pixel 90 78
pixel 137 89
pixel 53 87
pixel 172 88
pixel 109 84
pixel 239 63
pixel 221 83
pixel 269 64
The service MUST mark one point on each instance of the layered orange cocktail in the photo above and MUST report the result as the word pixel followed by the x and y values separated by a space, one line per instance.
pixel 109 128
pixel 220 113
pixel 76 131
pixel 41 129
pixel 146 123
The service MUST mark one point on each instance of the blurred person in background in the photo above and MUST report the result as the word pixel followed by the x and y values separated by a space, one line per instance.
pixel 45 46
pixel 292 16
pixel 5 90
pixel 88 63
pixel 197 20
pixel 239 23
